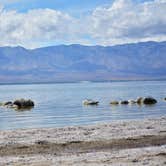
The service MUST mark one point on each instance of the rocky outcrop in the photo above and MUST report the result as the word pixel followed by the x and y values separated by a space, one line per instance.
pixel 139 101
pixel 124 102
pixel 22 103
pixel 132 101
pixel 146 100
pixel 149 100
pixel 90 102
pixel 7 103
pixel 114 102
pixel 19 104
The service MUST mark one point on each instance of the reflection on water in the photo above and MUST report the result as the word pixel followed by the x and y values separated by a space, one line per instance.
pixel 61 104
pixel 24 109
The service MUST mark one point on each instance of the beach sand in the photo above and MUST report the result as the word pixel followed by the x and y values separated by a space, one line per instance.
pixel 135 142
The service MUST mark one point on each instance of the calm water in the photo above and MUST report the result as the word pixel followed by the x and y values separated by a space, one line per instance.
pixel 61 104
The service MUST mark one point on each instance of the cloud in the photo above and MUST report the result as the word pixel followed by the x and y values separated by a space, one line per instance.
pixel 33 27
pixel 123 21
pixel 126 21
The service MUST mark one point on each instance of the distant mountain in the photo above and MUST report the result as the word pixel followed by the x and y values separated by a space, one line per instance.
pixel 65 63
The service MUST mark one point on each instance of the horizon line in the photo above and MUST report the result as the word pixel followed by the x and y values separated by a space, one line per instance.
pixel 77 44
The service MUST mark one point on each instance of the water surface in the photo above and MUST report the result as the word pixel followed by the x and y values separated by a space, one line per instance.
pixel 61 104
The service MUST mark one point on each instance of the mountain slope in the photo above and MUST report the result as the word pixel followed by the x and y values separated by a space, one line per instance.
pixel 77 62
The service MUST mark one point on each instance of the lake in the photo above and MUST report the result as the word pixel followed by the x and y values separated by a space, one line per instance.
pixel 59 105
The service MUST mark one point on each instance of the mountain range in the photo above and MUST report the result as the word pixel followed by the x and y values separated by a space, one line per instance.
pixel 69 63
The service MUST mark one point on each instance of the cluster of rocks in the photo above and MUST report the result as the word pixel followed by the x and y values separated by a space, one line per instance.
pixel 18 104
pixel 90 102
pixel 140 100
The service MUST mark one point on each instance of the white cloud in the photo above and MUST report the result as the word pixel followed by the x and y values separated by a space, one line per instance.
pixel 122 22
pixel 126 21
pixel 33 27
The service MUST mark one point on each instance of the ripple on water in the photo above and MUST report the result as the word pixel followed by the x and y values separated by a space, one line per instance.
pixel 61 104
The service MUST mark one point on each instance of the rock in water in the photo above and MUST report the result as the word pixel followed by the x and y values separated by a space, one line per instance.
pixel 24 104
pixel 149 100
pixel 7 103
pixel 12 106
pixel 132 101
pixel 114 102
pixel 90 102
pixel 124 102
pixel 140 100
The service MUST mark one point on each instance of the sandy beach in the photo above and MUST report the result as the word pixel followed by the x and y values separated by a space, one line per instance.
pixel 136 142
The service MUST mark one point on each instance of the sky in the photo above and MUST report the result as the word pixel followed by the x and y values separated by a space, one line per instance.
pixel 37 23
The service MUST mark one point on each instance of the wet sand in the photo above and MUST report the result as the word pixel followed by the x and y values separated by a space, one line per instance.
pixel 136 142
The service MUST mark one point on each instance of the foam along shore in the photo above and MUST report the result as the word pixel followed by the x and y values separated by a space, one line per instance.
pixel 138 142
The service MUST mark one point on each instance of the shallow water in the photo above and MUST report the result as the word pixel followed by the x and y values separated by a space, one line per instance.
pixel 61 104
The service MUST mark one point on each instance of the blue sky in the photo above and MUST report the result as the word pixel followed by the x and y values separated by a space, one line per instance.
pixel 89 22
pixel 72 6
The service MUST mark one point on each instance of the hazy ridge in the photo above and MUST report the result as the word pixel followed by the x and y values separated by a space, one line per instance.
pixel 144 60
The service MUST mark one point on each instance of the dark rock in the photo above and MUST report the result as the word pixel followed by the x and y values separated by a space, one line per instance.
pixel 124 102
pixel 7 103
pixel 135 160
pixel 23 104
pixel 149 100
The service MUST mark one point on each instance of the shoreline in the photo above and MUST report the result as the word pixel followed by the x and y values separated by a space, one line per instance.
pixel 138 142
pixel 115 121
